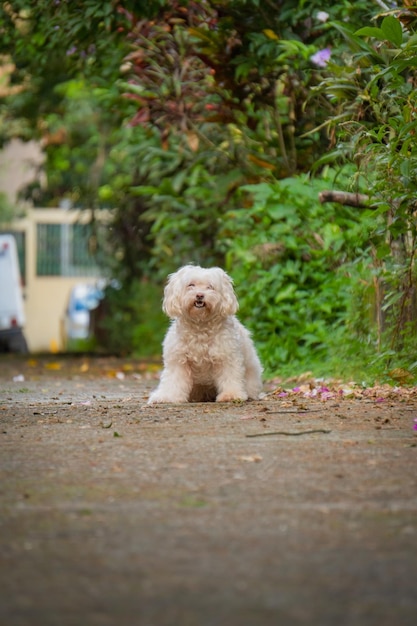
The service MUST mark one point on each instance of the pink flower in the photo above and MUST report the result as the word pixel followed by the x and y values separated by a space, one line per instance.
pixel 327 395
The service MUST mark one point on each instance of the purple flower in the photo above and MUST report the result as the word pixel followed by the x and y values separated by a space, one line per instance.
pixel 415 427
pixel 321 58
pixel 71 50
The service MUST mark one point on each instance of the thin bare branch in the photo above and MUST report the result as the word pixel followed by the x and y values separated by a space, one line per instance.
pixel 358 200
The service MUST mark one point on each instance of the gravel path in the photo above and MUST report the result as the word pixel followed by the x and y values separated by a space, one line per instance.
pixel 113 513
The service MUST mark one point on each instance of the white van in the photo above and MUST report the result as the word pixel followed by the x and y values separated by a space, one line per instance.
pixel 12 317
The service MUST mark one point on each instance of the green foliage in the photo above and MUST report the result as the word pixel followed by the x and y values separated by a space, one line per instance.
pixel 76 140
pixel 288 256
pixel 376 126
pixel 261 75
pixel 228 96
pixel 193 122
pixel 51 42
pixel 6 210
pixel 88 33
pixel 131 320
pixel 214 91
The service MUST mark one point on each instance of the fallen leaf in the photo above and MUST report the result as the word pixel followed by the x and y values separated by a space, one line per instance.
pixel 53 365
pixel 401 375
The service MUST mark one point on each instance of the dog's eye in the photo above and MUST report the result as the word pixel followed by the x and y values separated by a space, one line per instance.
pixel 210 286
pixel 191 285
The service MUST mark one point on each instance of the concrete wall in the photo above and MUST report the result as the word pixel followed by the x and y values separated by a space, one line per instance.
pixel 19 162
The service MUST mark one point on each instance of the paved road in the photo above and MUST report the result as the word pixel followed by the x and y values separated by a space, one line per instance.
pixel 118 514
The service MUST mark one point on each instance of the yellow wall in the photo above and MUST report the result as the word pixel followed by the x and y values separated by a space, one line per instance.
pixel 46 297
pixel 45 304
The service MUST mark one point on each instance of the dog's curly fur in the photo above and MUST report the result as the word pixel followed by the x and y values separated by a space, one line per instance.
pixel 208 354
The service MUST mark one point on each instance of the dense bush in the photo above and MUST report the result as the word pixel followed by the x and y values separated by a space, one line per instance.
pixel 290 257
pixel 130 320
pixel 375 122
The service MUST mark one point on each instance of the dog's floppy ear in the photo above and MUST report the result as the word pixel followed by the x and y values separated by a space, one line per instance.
pixel 172 303
pixel 229 304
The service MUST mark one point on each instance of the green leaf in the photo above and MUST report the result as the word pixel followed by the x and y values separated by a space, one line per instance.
pixel 286 293
pixel 371 31
pixel 405 168
pixel 392 30
pixel 278 212
pixel 261 191
pixel 242 70
pixel 144 190
pixel 383 251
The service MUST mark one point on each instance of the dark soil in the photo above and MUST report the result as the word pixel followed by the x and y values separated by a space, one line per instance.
pixel 114 513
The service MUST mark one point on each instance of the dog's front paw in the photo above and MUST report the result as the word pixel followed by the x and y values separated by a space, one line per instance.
pixel 158 398
pixel 230 396
pixel 153 400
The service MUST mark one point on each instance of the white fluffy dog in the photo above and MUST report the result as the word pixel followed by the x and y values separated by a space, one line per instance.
pixel 208 354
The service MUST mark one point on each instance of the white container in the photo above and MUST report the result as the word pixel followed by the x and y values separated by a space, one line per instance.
pixel 12 317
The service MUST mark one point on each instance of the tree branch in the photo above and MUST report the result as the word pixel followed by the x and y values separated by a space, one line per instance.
pixel 359 200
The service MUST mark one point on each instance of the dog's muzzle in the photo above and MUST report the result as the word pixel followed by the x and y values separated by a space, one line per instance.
pixel 199 301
